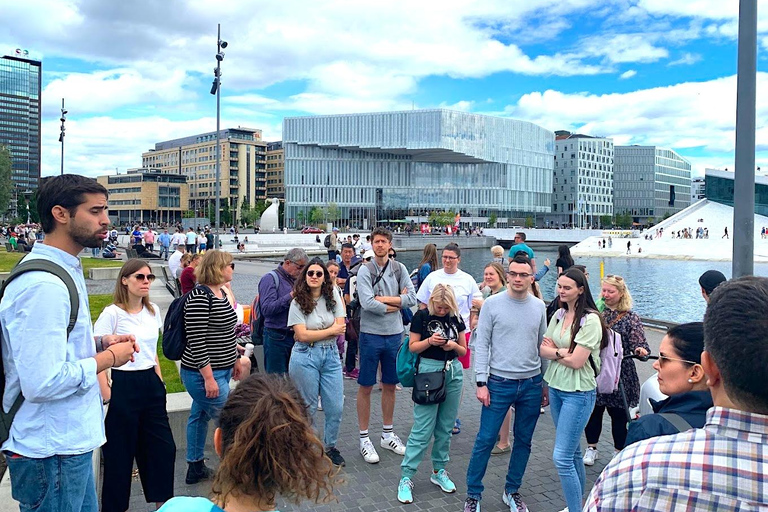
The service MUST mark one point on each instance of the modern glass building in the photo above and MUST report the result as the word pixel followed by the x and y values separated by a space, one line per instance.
pixel 386 166
pixel 20 85
pixel 719 188
pixel 650 182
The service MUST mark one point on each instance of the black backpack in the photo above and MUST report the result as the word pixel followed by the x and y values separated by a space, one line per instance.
pixel 327 241
pixel 6 418
pixel 174 333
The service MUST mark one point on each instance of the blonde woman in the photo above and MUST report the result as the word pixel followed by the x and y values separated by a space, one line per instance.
pixel 497 252
pixel 437 335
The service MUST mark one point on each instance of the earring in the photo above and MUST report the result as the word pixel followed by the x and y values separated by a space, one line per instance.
pixel 690 381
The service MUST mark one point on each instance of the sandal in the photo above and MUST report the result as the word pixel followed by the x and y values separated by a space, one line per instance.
pixel 456 427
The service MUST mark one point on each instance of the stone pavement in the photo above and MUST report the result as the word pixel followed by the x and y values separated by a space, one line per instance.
pixel 370 487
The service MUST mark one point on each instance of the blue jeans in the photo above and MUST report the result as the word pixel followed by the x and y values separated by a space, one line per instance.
pixel 316 371
pixel 203 409
pixel 525 395
pixel 164 251
pixel 570 412
pixel 277 350
pixel 61 483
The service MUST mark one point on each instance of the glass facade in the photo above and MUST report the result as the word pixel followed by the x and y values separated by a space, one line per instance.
pixel 389 165
pixel 20 83
pixel 719 188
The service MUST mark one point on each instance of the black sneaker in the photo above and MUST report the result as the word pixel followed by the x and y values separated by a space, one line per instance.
pixel 197 471
pixel 335 457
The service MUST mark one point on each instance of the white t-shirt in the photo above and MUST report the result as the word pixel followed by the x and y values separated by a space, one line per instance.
pixel 320 317
pixel 464 287
pixel 174 263
pixel 191 237
pixel 144 325
pixel 178 239
pixel 365 246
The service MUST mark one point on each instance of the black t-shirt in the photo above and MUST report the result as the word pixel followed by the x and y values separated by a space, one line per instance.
pixel 563 264
pixel 447 326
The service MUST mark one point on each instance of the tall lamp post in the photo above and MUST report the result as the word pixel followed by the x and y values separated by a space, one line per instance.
pixel 216 89
pixel 61 134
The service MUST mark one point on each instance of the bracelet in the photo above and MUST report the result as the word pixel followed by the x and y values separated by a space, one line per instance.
pixel 114 359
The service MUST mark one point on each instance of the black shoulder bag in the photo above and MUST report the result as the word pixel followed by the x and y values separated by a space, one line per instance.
pixel 429 388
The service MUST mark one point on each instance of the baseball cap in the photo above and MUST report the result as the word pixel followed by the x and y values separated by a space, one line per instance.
pixel 368 254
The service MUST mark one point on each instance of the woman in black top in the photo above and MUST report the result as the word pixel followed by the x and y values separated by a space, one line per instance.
pixel 210 359
pixel 564 259
pixel 437 335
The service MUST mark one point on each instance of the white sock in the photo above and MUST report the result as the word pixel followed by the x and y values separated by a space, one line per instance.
pixel 387 432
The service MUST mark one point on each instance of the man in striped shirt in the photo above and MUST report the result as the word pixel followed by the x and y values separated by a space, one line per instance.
pixel 724 466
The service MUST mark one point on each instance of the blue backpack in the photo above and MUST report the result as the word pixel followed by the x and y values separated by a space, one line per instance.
pixel 174 333
pixel 406 364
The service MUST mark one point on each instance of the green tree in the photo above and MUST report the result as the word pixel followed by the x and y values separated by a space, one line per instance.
pixel 6 184
pixel 492 218
pixel 333 212
pixel 442 218
pixel 300 218
pixel 33 213
pixel 606 221
pixel 246 216
pixel 189 214
pixel 226 214
pixel 316 215
pixel 529 222
pixel 667 215
pixel 281 213
pixel 650 222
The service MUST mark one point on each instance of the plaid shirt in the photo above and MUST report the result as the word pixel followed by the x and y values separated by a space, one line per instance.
pixel 722 467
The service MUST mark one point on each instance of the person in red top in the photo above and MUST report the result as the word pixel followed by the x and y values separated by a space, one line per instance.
pixel 187 277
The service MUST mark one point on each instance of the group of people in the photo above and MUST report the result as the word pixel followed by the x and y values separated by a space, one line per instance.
pixel 527 355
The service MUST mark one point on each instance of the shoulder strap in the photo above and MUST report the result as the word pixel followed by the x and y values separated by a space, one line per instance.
pixel 275 278
pixel 677 421
pixel 52 268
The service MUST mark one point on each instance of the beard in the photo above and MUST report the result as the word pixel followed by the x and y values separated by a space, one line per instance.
pixel 82 236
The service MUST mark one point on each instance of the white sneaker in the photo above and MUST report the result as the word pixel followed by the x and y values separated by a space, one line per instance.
pixel 590 456
pixel 368 451
pixel 394 444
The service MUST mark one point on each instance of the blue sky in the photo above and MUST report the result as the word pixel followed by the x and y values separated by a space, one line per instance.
pixel 640 71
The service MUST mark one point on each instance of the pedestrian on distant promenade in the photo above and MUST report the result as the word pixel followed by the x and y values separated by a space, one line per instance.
pixel 509 373
pixel 618 315
pixel 317 315
pixel 725 234
pixel 427 265
pixel 575 333
pixel 722 466
pixel 165 242
pixel 564 258
pixel 137 422
pixel 187 277
pixel 629 246
pixel 437 335
pixel 267 448
pixel 149 240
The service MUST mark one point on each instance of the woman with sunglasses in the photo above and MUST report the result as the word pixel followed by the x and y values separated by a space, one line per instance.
pixel 137 421
pixel 575 333
pixel 682 379
pixel 210 358
pixel 317 315
pixel 618 315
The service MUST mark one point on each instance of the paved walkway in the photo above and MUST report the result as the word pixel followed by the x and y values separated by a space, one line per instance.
pixel 373 487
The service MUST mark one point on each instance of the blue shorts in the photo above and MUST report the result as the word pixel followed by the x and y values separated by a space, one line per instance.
pixel 375 349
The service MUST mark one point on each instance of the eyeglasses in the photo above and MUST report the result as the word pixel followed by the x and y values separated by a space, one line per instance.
pixel 664 359
pixel 450 258
pixel 142 277
pixel 523 275
pixel 315 273
pixel 300 266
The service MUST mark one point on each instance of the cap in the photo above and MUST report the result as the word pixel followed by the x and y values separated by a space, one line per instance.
pixel 368 254
pixel 710 279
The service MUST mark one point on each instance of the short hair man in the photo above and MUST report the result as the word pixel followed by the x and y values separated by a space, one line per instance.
pixel 275 303
pixel 174 261
pixel 191 240
pixel 509 372
pixel 60 422
pixel 165 243
pixel 520 245
pixel 383 289
pixel 722 466
pixel 347 253
pixel 334 245
pixel 710 280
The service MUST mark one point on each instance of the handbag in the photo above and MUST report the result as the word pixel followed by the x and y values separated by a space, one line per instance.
pixel 429 387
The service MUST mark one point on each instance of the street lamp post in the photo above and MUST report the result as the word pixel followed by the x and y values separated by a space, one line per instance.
pixel 216 89
pixel 61 134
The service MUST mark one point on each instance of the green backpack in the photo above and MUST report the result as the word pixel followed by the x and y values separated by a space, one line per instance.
pixel 6 418
pixel 406 364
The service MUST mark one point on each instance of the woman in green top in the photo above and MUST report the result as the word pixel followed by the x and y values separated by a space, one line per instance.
pixel 575 333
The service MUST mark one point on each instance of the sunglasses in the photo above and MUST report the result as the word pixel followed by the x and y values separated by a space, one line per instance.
pixel 524 275
pixel 232 266
pixel 315 273
pixel 142 277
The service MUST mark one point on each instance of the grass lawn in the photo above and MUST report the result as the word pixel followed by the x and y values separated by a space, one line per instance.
pixel 170 373
pixel 9 259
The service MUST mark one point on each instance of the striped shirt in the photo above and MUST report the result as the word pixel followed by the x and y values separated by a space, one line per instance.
pixel 210 334
pixel 722 467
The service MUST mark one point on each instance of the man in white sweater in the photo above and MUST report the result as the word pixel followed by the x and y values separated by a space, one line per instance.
pixel 509 372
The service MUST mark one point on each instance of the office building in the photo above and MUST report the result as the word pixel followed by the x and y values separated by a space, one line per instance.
pixel 719 188
pixel 146 196
pixel 698 189
pixel 275 170
pixel 650 183
pixel 388 166
pixel 582 189
pixel 243 168
pixel 20 87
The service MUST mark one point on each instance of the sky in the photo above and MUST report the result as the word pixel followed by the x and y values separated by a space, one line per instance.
pixel 655 72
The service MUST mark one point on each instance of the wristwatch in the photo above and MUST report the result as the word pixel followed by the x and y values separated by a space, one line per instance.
pixel 481 384
pixel 557 354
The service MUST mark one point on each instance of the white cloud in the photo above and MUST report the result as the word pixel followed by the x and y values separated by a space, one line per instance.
pixel 627 74
pixel 686 59
pixel 622 48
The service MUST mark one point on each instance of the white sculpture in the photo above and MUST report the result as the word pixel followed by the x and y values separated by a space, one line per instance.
pixel 269 221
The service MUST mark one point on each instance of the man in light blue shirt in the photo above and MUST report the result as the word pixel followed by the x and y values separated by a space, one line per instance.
pixel 60 423
pixel 165 243
pixel 519 246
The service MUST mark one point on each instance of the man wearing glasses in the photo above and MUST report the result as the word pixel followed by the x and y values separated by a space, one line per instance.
pixel 509 372
pixel 275 296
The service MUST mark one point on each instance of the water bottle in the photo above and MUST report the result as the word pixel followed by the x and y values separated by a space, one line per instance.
pixel 248 350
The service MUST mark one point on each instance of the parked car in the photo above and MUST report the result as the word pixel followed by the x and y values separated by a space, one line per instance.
pixel 311 229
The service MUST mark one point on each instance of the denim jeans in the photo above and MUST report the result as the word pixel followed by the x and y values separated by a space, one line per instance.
pixel 316 371
pixel 525 395
pixel 570 412
pixel 164 251
pixel 434 420
pixel 277 350
pixel 203 409
pixel 61 483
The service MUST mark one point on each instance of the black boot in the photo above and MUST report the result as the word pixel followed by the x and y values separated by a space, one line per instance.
pixel 197 471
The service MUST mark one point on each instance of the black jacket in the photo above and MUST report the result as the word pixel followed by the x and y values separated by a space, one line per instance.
pixel 691 406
